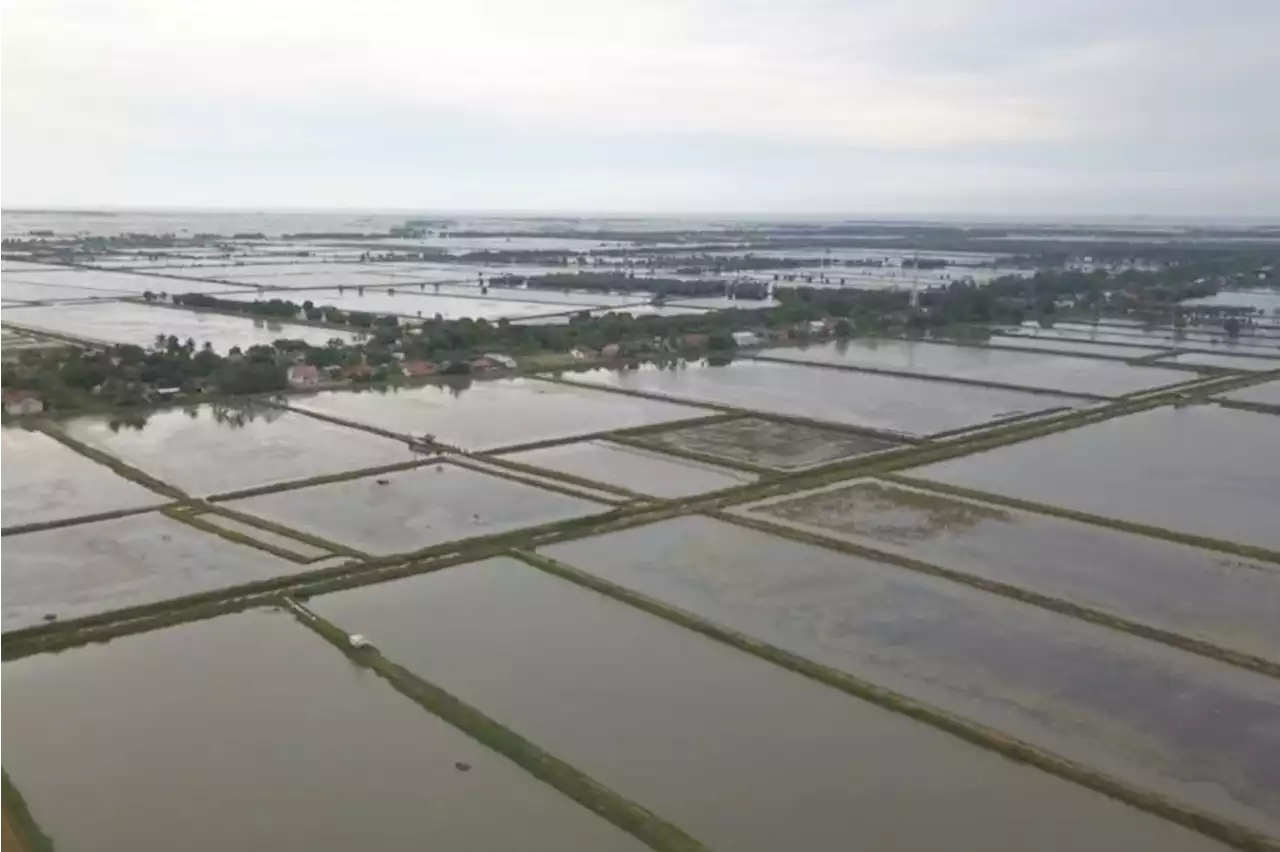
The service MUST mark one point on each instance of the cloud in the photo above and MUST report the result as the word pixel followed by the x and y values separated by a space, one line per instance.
pixel 857 106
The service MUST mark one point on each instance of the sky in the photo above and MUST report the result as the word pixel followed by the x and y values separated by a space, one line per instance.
pixel 860 107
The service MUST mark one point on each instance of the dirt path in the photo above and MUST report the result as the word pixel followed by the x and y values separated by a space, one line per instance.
pixel 9 841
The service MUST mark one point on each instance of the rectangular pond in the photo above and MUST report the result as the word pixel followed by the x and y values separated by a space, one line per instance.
pixel 768 443
pixel 1096 696
pixel 1069 347
pixel 249 732
pixel 891 403
pixel 641 471
pixel 138 324
pixel 98 567
pixel 1267 393
pixel 742 754
pixel 1051 372
pixel 485 415
pixel 385 300
pixel 1208 595
pixel 1200 469
pixel 48 481
pixel 214 448
pixel 407 511
pixel 1228 362
pixel 33 291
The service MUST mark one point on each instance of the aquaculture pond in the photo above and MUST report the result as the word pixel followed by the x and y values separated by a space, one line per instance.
pixel 891 403
pixel 642 471
pixel 1241 361
pixel 1200 469
pixel 107 565
pixel 1212 596
pixel 1050 372
pixel 485 415
pixel 1069 347
pixel 742 754
pixel 47 481
pixel 1267 393
pixel 417 508
pixel 215 448
pixel 768 443
pixel 1092 695
pixel 250 732
pixel 138 324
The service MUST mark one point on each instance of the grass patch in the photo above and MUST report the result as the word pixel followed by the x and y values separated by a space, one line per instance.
pixel 649 828
pixel 1197 820
pixel 17 816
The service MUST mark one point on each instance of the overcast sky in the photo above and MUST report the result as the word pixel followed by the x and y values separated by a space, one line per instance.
pixel 1087 107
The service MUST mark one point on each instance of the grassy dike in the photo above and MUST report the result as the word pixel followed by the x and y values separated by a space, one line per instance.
pixel 644 825
pixel 1192 645
pixel 18 819
pixel 1226 831
pixel 40 526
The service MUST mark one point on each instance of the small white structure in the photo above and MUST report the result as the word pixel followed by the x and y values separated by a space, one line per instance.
pixel 19 402
pixel 303 375
pixel 358 640
pixel 746 338
pixel 502 360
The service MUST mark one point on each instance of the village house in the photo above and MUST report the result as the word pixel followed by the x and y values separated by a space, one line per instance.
pixel 582 353
pixel 20 402
pixel 746 338
pixel 501 360
pixel 610 350
pixel 417 369
pixel 303 375
pixel 695 341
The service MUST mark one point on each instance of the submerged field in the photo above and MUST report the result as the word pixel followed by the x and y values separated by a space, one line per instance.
pixel 137 324
pixel 631 468
pixel 895 404
pixel 97 567
pixel 46 481
pixel 231 733
pixel 1049 372
pixel 768 443
pixel 410 510
pixel 486 415
pixel 691 729
pixel 1200 469
pixel 215 448
pixel 1216 597
pixel 1090 695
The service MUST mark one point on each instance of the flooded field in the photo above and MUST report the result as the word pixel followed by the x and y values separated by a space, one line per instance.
pixel 486 415
pixel 300 549
pixel 215 448
pixel 768 443
pixel 641 471
pixel 742 754
pixel 32 291
pixel 1198 469
pixel 1263 301
pixel 98 567
pixel 1089 694
pixel 1051 372
pixel 1267 393
pixel 1229 362
pixel 1211 596
pixel 413 509
pixel 890 403
pixel 125 322
pixel 47 481
pixel 249 732
pixel 1181 338
pixel 410 303
pixel 1071 347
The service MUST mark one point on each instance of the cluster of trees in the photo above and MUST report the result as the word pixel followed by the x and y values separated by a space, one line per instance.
pixel 627 282
pixel 283 309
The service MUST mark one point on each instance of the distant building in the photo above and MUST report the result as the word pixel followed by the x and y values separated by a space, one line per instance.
pixel 19 402
pixel 582 353
pixel 417 369
pixel 610 350
pixel 501 360
pixel 695 341
pixel 304 375
pixel 746 338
